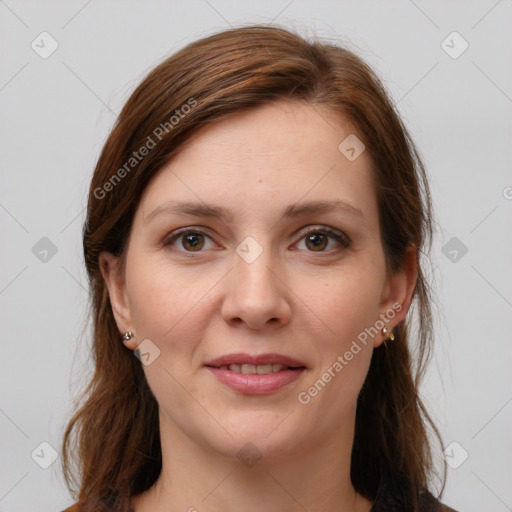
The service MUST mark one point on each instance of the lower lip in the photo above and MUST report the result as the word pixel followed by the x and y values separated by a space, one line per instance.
pixel 256 384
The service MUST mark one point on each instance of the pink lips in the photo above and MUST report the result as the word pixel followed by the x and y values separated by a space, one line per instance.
pixel 241 358
pixel 256 384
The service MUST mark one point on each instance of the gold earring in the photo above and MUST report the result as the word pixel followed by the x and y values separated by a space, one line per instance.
pixel 387 336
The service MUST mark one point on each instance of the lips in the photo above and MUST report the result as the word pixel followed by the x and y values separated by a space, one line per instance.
pixel 258 360
pixel 256 375
pixel 251 369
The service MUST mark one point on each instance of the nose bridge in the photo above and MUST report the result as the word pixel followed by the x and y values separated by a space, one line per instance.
pixel 253 264
pixel 255 294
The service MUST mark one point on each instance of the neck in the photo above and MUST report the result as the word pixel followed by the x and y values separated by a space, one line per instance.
pixel 196 478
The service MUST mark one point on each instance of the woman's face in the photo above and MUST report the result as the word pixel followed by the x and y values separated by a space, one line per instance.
pixel 260 270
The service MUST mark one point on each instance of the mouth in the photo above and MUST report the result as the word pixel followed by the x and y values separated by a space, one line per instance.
pixel 259 369
pixel 247 362
pixel 256 375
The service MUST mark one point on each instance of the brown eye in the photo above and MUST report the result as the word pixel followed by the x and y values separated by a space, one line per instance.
pixel 316 241
pixel 193 242
pixel 189 240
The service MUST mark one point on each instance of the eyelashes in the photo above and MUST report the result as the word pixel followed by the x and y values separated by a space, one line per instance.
pixel 317 238
pixel 339 236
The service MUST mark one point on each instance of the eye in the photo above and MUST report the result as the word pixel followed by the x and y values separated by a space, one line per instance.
pixel 191 240
pixel 316 239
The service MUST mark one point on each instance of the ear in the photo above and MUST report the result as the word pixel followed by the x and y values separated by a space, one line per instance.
pixel 398 292
pixel 114 279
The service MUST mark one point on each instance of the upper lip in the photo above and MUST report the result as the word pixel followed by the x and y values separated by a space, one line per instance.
pixel 260 359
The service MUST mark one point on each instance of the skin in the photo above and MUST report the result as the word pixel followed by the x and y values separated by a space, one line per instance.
pixel 299 299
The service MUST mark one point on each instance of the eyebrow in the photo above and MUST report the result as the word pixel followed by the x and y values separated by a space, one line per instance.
pixel 291 211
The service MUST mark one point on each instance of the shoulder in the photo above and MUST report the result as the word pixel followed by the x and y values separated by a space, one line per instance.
pixel 428 503
pixel 395 493
pixel 72 508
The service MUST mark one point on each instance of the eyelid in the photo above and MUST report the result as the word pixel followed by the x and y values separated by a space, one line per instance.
pixel 177 234
pixel 336 234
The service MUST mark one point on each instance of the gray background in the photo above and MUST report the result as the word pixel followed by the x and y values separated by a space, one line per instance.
pixel 57 112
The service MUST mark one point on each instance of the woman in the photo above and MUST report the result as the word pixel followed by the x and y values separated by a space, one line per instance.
pixel 253 240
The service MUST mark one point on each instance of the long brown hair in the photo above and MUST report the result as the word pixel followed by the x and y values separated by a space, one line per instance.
pixel 111 446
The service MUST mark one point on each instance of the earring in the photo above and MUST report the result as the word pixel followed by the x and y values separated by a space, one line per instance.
pixel 127 336
pixel 387 336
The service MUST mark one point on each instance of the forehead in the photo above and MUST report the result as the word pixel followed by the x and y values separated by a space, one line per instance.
pixel 274 154
pixel 281 132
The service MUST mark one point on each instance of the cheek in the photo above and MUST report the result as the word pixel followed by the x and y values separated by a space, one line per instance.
pixel 348 307
pixel 168 308
pixel 164 300
pixel 348 304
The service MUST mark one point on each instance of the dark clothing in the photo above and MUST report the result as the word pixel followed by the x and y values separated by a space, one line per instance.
pixel 392 497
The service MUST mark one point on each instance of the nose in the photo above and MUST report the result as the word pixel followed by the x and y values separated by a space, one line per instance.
pixel 256 294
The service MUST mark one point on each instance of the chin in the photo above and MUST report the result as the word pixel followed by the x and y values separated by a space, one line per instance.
pixel 258 436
